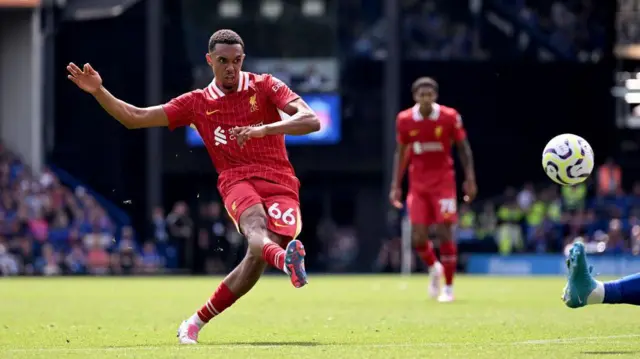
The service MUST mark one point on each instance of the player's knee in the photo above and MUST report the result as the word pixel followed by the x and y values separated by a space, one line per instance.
pixel 419 236
pixel 445 231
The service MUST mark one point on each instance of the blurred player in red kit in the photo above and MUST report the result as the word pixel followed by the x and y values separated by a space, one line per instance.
pixel 238 117
pixel 425 133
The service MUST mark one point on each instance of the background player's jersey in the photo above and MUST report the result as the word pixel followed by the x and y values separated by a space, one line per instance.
pixel 429 140
pixel 213 113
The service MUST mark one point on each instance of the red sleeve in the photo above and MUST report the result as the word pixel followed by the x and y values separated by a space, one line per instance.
pixel 278 92
pixel 459 133
pixel 180 110
pixel 402 136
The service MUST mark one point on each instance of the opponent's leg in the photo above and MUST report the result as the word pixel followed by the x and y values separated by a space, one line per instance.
pixel 582 289
pixel 449 258
pixel 235 285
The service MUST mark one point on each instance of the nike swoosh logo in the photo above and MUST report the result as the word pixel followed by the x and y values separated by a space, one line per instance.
pixel 212 112
pixel 279 225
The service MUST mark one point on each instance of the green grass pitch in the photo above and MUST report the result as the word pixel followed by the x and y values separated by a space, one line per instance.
pixel 333 317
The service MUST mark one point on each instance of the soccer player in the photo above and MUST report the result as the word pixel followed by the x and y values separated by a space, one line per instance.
pixel 582 289
pixel 238 117
pixel 425 133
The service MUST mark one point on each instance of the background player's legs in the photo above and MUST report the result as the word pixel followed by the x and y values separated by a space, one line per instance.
pixel 421 215
pixel 422 244
pixel 448 256
pixel 424 248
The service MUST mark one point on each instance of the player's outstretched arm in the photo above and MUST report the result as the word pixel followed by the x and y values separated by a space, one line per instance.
pixel 130 116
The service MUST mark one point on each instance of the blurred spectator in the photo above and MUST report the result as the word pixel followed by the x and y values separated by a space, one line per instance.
pixel 150 261
pixel 467 223
pixel 609 179
pixel 159 226
pixel 574 197
pixel 49 263
pixel 181 232
pixel 76 260
pixel 98 261
pixel 125 260
pixel 487 221
pixel 343 250
pixel 25 256
pixel 8 264
pixel 526 197
pixel 616 242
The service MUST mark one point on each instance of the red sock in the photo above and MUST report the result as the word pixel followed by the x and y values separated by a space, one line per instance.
pixel 274 255
pixel 221 299
pixel 425 251
pixel 449 259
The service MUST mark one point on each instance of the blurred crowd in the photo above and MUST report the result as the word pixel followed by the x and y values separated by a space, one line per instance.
pixel 546 220
pixel 49 229
pixel 456 29
pixel 576 25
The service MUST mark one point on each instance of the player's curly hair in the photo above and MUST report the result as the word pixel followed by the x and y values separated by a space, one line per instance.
pixel 225 36
pixel 424 82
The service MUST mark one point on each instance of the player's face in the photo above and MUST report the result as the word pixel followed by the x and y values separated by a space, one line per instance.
pixel 425 96
pixel 226 62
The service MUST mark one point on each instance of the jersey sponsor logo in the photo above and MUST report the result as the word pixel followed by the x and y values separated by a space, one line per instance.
pixel 219 136
pixel 209 113
pixel 438 131
pixel 253 103
pixel 277 84
pixel 424 147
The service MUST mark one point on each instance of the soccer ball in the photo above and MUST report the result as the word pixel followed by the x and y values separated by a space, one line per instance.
pixel 567 159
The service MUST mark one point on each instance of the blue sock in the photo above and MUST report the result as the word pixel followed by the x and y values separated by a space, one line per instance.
pixel 625 290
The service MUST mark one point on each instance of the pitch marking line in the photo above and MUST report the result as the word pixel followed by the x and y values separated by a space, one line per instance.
pixel 258 346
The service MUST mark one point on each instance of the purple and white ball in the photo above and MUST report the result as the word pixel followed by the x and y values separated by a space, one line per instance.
pixel 567 159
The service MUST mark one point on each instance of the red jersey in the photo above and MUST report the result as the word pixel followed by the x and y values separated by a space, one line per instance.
pixel 213 113
pixel 429 140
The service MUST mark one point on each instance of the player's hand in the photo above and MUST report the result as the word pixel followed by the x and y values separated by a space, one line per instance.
pixel 394 197
pixel 470 190
pixel 87 79
pixel 243 134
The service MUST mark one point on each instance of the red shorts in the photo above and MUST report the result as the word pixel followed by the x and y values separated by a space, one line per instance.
pixel 280 202
pixel 435 206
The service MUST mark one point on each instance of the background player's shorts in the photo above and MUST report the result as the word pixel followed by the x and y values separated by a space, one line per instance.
pixel 435 206
pixel 280 202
